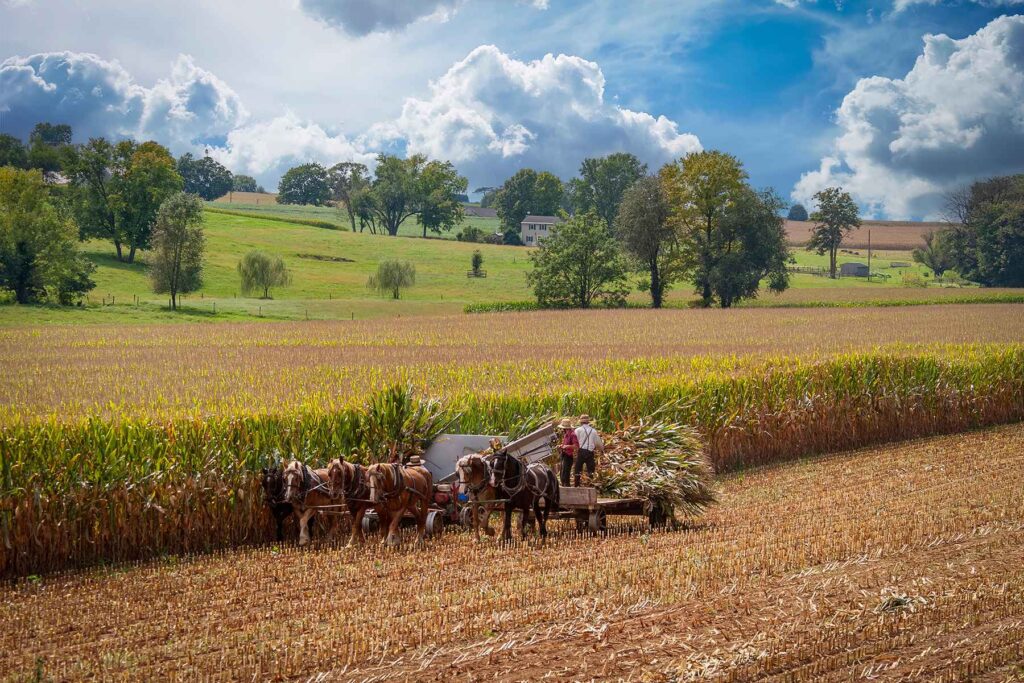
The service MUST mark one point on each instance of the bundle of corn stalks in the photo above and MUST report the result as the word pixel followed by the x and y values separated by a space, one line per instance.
pixel 658 460
pixel 396 424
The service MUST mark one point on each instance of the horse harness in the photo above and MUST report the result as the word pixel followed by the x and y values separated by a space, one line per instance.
pixel 311 481
pixel 400 486
pixel 524 470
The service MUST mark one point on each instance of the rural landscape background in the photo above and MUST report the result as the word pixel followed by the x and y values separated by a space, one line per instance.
pixel 788 234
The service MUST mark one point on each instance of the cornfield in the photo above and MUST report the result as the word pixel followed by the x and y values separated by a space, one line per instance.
pixel 898 562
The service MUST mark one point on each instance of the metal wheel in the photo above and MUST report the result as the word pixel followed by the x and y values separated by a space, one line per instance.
pixel 598 521
pixel 371 523
pixel 435 522
pixel 657 518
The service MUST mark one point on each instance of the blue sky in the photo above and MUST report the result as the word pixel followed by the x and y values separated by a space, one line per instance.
pixel 808 93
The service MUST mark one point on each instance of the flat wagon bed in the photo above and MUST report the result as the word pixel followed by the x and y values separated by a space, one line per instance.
pixel 590 512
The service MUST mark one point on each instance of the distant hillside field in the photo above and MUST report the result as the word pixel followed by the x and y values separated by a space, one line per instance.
pixel 896 235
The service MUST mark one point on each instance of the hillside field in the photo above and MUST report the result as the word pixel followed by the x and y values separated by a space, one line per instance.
pixel 904 564
pixel 336 289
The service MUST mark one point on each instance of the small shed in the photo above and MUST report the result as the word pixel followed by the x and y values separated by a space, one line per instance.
pixel 853 270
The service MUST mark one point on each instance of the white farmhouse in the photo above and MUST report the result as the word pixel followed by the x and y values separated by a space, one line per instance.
pixel 535 228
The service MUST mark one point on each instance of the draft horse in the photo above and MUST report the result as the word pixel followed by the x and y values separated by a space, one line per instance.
pixel 475 479
pixel 396 489
pixel 523 487
pixel 349 482
pixel 273 497
pixel 306 490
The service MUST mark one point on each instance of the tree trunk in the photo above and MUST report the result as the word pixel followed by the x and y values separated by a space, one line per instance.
pixel 131 254
pixel 266 292
pixel 174 300
pixel 832 263
pixel 706 295
pixel 656 286
pixel 117 245
pixel 424 231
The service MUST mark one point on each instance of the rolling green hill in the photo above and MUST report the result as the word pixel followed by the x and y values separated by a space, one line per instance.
pixel 330 269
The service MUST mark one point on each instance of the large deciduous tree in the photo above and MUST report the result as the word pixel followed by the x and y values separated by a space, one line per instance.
pixel 836 216
pixel 38 248
pixel 750 247
pixel 602 183
pixel 243 183
pixel 204 177
pixel 403 188
pixel 527 192
pixel 117 190
pixel 305 184
pixel 45 147
pixel 986 243
pixel 347 180
pixel 797 212
pixel 935 252
pixel 701 187
pixel 578 263
pixel 176 265
pixel 12 152
pixel 643 228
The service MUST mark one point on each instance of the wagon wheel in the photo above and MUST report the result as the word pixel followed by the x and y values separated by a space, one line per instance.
pixel 371 523
pixel 581 522
pixel 598 521
pixel 466 516
pixel 435 522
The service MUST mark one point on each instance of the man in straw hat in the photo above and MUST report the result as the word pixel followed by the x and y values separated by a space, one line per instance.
pixel 590 442
pixel 568 447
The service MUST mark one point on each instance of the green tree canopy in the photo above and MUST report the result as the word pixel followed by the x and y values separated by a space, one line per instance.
pixel 305 184
pixel 836 216
pixel 116 190
pixel 403 188
pixel 176 264
pixel 392 277
pixel 797 212
pixel 701 187
pixel 243 183
pixel 986 243
pixel 45 147
pixel 527 192
pixel 38 249
pixel 750 247
pixel 260 272
pixel 935 253
pixel 12 152
pixel 347 180
pixel 643 228
pixel 204 177
pixel 603 182
pixel 578 263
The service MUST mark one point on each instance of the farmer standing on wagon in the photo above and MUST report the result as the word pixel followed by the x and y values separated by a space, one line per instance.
pixel 568 447
pixel 589 441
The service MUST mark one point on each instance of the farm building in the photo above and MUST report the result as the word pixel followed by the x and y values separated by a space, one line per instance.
pixel 853 270
pixel 534 228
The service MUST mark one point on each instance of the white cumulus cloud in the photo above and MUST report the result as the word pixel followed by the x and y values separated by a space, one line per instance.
pixel 491 114
pixel 956 116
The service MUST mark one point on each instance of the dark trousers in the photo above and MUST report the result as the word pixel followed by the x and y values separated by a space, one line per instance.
pixel 584 458
pixel 566 473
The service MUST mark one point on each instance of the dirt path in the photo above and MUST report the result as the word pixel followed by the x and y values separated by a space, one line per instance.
pixel 898 563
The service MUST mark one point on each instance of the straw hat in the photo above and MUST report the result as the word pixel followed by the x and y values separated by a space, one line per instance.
pixel 584 419
pixel 566 423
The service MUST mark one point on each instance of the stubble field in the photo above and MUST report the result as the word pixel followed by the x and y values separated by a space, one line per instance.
pixel 894 563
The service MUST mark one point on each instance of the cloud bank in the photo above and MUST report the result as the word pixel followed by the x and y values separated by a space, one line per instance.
pixel 99 97
pixel 956 116
pixel 491 114
pixel 362 17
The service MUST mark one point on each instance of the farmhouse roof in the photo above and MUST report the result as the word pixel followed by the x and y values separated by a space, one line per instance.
pixel 549 220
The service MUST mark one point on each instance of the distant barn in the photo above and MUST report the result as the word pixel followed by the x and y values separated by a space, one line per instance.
pixel 853 270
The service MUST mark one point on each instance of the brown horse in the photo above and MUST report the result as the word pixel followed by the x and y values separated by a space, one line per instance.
pixel 348 481
pixel 306 489
pixel 396 489
pixel 474 478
